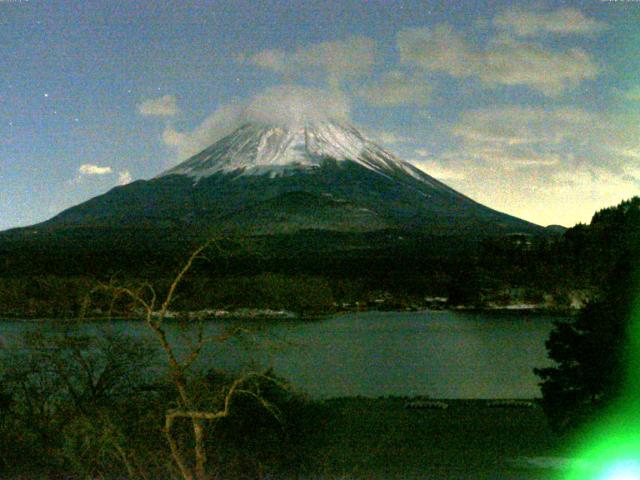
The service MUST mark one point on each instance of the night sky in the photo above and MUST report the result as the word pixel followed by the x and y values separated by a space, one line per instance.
pixel 529 108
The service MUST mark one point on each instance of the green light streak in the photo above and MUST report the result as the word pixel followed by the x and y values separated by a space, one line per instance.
pixel 609 449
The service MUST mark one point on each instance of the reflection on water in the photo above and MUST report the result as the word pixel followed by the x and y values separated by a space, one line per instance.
pixel 439 354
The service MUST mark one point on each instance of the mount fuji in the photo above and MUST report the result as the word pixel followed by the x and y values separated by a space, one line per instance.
pixel 266 179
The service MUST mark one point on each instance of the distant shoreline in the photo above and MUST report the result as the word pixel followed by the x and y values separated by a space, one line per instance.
pixel 284 315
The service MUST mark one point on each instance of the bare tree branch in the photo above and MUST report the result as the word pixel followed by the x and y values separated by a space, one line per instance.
pixel 146 297
pixel 178 458
pixel 125 460
pixel 180 276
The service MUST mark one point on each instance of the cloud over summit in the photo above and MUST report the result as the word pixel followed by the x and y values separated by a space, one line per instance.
pixel 293 104
pixel 283 105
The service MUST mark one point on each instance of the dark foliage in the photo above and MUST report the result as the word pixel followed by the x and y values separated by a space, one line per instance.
pixel 47 272
pixel 70 400
pixel 93 406
pixel 591 351
pixel 255 441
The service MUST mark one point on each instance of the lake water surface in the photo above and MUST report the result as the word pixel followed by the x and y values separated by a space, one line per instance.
pixel 441 354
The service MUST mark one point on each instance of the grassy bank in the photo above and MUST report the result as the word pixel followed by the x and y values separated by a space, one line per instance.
pixel 364 438
pixel 382 439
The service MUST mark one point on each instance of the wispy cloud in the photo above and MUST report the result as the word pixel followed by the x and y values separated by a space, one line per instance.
pixel 165 106
pixel 91 169
pixel 124 177
pixel 564 21
pixel 215 126
pixel 102 176
pixel 568 137
pixel 351 57
pixel 388 137
pixel 395 88
pixel 515 126
pixel 528 157
pixel 504 61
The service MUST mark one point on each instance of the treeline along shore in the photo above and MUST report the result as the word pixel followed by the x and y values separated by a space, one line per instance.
pixel 51 273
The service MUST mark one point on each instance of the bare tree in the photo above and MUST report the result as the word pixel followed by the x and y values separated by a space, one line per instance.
pixel 191 465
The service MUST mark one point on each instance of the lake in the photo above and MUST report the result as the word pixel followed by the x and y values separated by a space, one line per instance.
pixel 441 354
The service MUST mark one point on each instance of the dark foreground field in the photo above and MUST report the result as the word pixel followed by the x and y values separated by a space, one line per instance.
pixel 381 439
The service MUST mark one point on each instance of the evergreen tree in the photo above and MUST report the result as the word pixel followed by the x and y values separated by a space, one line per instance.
pixel 592 351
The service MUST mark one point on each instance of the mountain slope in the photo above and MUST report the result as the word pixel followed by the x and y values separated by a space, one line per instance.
pixel 265 179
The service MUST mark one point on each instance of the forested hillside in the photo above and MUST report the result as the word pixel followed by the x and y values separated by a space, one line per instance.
pixel 321 271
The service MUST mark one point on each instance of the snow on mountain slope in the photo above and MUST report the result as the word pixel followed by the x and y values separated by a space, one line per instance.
pixel 267 179
pixel 255 149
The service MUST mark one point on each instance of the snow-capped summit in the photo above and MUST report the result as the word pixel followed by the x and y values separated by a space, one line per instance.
pixel 257 149
pixel 271 178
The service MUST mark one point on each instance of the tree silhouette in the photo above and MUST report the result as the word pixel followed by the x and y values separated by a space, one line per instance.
pixel 190 407
pixel 591 352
